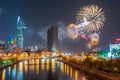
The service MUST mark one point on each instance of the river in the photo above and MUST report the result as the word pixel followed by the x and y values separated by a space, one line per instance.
pixel 43 69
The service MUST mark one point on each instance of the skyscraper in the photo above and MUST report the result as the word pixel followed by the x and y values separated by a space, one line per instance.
pixel 52 38
pixel 20 27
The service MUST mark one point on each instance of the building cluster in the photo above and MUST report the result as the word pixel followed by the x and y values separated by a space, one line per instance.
pixel 14 41
pixel 18 40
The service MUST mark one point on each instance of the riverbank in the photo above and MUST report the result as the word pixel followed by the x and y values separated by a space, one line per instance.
pixel 92 72
pixel 7 65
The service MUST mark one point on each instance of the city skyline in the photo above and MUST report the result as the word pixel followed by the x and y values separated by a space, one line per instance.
pixel 38 15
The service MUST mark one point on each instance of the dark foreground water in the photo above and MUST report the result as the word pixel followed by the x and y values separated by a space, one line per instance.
pixel 43 69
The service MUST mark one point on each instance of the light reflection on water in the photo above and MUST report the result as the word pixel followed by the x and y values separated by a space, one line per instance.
pixel 41 69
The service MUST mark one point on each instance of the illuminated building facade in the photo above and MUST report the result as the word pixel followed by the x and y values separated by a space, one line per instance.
pixel 52 38
pixel 115 48
pixel 20 27
pixel 11 41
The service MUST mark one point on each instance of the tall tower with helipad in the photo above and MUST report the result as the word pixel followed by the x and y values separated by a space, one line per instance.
pixel 20 28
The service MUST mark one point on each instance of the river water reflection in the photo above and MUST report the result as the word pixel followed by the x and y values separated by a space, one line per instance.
pixel 42 69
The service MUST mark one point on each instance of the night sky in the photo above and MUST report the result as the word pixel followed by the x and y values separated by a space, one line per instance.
pixel 40 14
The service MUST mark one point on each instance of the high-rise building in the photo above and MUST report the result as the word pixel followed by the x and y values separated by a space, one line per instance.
pixel 20 27
pixel 2 46
pixel 52 38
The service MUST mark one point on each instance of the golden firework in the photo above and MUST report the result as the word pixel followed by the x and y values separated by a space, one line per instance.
pixel 94 16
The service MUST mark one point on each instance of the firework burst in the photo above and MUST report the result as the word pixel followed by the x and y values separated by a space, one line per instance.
pixel 92 16
pixel 72 31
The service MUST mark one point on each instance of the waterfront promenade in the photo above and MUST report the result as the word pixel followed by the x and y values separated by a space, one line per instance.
pixel 94 72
